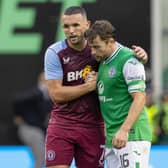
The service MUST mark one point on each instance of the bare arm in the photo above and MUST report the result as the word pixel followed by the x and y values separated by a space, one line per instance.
pixel 60 93
pixel 137 105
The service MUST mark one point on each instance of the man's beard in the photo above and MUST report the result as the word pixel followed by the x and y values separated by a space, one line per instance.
pixel 77 40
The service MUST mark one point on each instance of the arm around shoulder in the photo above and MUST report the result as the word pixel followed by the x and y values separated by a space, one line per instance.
pixel 60 93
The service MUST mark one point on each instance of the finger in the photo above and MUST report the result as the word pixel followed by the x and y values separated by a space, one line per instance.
pixel 120 144
pixel 136 48
pixel 140 54
pixel 115 142
pixel 143 57
pixel 93 72
pixel 133 46
pixel 91 78
pixel 123 144
pixel 117 145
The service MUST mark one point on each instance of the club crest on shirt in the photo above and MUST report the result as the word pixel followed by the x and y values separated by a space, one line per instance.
pixel 66 60
pixel 111 72
pixel 50 155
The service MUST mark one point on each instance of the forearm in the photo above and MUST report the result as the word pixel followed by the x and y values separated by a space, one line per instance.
pixel 68 93
pixel 134 111
pixel 60 93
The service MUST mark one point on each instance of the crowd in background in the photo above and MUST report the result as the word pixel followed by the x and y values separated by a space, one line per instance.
pixel 158 117
pixel 31 112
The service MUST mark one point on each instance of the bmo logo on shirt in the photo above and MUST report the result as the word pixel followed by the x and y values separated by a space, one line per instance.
pixel 71 76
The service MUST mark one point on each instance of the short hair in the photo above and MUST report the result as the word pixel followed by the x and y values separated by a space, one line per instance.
pixel 75 10
pixel 102 28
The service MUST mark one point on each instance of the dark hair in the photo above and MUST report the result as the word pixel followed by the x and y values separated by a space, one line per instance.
pixel 102 28
pixel 75 10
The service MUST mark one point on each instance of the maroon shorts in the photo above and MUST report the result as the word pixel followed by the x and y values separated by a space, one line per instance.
pixel 82 144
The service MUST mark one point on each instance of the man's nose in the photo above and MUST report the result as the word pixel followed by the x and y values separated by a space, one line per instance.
pixel 71 29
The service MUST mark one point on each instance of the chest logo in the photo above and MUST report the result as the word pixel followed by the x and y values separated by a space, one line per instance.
pixel 86 70
pixel 112 72
pixel 66 60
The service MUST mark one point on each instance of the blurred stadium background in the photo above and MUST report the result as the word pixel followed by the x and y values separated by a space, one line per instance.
pixel 27 27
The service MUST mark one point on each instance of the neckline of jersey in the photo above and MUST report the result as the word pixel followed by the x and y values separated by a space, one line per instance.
pixel 114 54
pixel 74 50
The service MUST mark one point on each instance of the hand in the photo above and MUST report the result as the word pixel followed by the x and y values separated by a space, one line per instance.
pixel 120 139
pixel 140 53
pixel 91 76
pixel 91 80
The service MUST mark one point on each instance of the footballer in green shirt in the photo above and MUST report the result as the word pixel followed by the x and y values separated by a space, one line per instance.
pixel 121 90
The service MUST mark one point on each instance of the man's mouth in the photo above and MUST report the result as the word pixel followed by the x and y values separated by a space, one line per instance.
pixel 73 37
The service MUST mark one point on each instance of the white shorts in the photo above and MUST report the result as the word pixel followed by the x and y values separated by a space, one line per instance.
pixel 134 155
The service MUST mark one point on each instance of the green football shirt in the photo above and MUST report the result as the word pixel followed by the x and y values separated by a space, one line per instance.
pixel 118 76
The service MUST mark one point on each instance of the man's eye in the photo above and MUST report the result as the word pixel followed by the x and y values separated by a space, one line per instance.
pixel 76 25
pixel 65 26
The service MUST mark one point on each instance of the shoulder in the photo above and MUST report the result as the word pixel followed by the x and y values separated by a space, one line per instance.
pixel 133 61
pixel 58 46
pixel 134 69
pixel 127 52
pixel 124 55
pixel 52 51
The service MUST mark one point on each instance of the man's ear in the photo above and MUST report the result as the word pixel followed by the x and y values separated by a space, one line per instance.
pixel 88 24
pixel 111 40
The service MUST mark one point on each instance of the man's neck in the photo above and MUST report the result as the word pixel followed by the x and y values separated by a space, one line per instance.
pixel 114 47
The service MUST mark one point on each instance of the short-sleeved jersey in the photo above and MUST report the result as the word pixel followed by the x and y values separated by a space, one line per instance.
pixel 69 65
pixel 120 75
